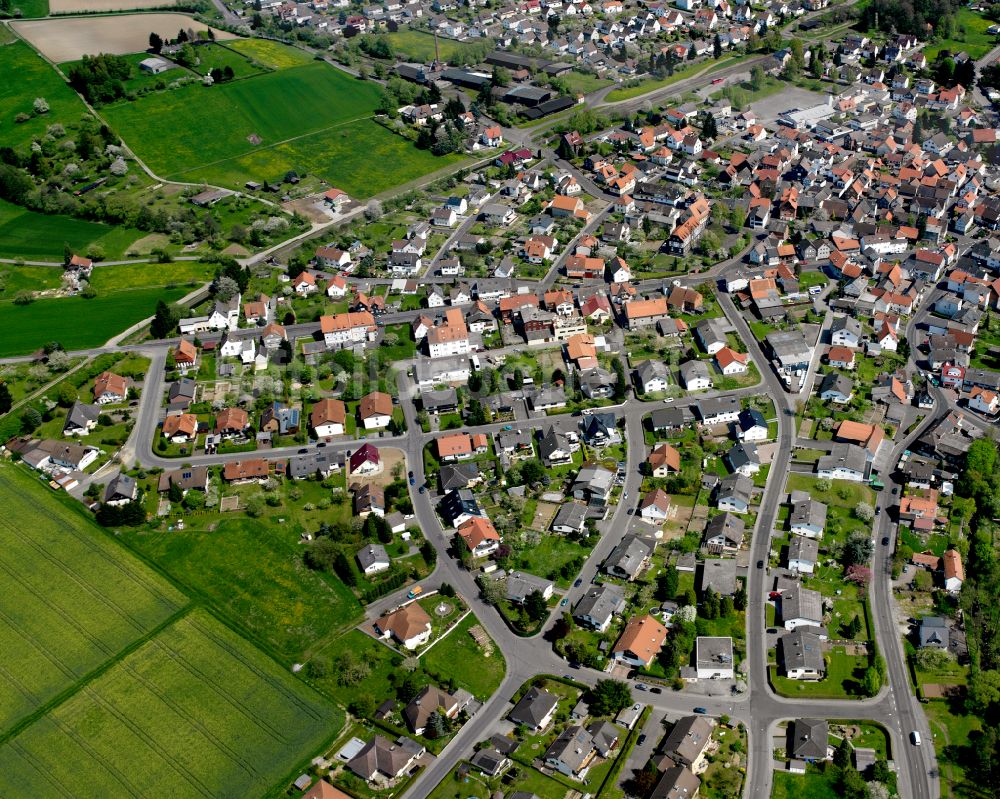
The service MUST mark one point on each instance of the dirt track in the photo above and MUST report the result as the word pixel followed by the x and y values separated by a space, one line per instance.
pixel 71 38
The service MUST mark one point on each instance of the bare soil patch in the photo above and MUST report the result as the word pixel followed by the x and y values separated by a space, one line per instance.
pixel 90 6
pixel 71 38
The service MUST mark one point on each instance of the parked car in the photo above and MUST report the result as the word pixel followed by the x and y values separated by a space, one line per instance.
pixel 641 740
pixel 760 564
pixel 578 583
pixel 701 710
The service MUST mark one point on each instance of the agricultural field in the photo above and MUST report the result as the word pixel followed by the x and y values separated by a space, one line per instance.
pixel 37 79
pixel 307 117
pixel 92 6
pixel 27 278
pixel 41 237
pixel 71 38
pixel 75 322
pixel 208 125
pixel 218 56
pixel 252 571
pixel 200 710
pixel 418 46
pixel 272 55
pixel 57 637
pixel 123 277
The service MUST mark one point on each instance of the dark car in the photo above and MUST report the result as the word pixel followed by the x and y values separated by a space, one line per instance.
pixel 421 489
pixel 641 740
pixel 655 690
pixel 701 710
pixel 303 451
pixel 413 482
pixel 895 490
pixel 410 473
pixel 885 541
pixel 578 583
pixel 760 564
pixel 772 630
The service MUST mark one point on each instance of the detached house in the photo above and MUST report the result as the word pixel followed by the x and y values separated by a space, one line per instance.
pixel 640 642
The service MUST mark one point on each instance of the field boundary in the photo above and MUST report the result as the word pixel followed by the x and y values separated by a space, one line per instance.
pixel 66 694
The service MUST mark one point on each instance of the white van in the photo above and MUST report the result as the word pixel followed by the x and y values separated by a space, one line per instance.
pixel 915 737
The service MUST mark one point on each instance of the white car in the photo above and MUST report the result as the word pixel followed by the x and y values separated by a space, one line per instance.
pixel 669 399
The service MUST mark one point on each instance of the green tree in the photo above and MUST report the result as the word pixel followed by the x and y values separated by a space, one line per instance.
pixel 872 681
pixel 842 754
pixel 535 606
pixel 757 78
pixel 608 697
pixel 717 47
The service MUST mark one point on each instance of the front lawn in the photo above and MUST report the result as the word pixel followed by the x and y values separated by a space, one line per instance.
pixel 816 783
pixel 459 657
pixel 844 677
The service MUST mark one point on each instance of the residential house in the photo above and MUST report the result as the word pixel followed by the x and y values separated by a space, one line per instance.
pixel 640 642
pixel 409 625
pixel 373 558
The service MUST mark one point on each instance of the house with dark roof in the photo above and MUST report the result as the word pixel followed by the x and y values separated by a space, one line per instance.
pixel 81 419
pixel 687 741
pixel 933 633
pixel 572 753
pixel 535 710
pixel 808 740
pixel 381 760
pixel 724 534
pixel 373 558
pixel 676 782
pixel 801 655
pixel 629 558
pixel 599 605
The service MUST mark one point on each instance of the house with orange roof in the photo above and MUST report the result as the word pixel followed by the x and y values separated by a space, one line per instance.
pixel 375 410
pixel 584 267
pixel 337 199
pixel 180 428
pixel 841 357
pixel 110 388
pixel 730 362
pixel 984 400
pixel 185 355
pixel 328 417
pixel 954 571
pixel 663 461
pixel 562 205
pixel 480 536
pixel 640 642
pixel 643 313
pixel 454 447
pixel 580 349
pixel 917 508
pixel 305 284
pixel 410 625
pixel 251 470
pixel 867 436
pixel 344 329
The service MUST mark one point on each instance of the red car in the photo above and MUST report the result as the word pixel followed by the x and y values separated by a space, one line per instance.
pixel 717 81
pixel 774 595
